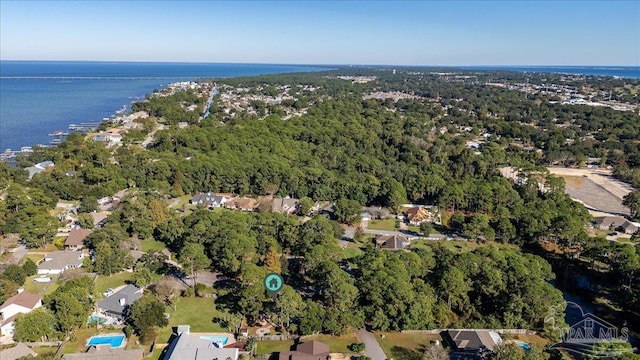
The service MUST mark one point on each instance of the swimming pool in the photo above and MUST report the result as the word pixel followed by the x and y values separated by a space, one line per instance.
pixel 216 339
pixel 524 345
pixel 96 319
pixel 115 341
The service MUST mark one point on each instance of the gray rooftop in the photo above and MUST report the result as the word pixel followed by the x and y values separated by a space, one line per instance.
pixel 187 347
pixel 16 352
pixel 57 260
pixel 113 304
pixel 105 353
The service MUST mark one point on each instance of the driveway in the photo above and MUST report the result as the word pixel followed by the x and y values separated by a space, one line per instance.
pixel 371 347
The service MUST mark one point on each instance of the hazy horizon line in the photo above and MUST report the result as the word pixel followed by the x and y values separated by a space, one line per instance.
pixel 318 64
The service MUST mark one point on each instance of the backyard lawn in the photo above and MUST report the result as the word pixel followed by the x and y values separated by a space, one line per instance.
pixel 40 288
pixel 105 282
pixel 337 344
pixel 149 245
pixel 402 346
pixel 383 224
pixel 194 311
pixel 268 347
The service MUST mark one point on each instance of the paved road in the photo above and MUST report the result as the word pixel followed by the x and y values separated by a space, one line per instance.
pixel 371 347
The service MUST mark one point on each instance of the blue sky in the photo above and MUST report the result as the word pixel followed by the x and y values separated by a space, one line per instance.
pixel 325 32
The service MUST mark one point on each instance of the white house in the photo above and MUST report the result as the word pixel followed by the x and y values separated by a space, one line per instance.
pixel 22 303
pixel 57 262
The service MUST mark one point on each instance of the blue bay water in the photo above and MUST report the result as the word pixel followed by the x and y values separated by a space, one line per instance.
pixel 37 98
pixel 618 71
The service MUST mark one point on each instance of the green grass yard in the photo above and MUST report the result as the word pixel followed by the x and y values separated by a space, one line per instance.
pixel 383 224
pixel 403 346
pixel 105 282
pixel 337 344
pixel 149 245
pixel 268 347
pixel 194 311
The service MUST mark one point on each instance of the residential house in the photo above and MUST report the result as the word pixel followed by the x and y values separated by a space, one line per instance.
pixel 376 212
pixel 57 262
pixel 19 351
pixel 39 167
pixel 22 303
pixel 211 200
pixel 114 306
pixel 285 205
pixel 312 350
pixel 417 215
pixel 392 242
pixel 105 353
pixel 110 139
pixel 473 341
pixel 187 347
pixel 629 227
pixel 608 222
pixel 99 218
pixel 243 204
pixel 365 215
pixel 75 240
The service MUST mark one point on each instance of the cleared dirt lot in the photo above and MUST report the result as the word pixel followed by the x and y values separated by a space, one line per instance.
pixel 595 188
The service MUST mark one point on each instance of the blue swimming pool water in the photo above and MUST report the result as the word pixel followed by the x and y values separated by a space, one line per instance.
pixel 216 339
pixel 524 345
pixel 114 340
pixel 98 319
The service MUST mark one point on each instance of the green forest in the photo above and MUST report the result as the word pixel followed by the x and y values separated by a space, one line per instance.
pixel 373 152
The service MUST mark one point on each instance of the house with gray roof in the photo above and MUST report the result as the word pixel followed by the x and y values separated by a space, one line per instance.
pixel 210 199
pixel 473 341
pixel 105 353
pixel 17 352
pixel 187 347
pixel 57 262
pixel 608 222
pixel 39 167
pixel 116 305
pixel 285 205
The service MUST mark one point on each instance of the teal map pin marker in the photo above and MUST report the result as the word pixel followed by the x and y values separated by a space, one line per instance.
pixel 274 283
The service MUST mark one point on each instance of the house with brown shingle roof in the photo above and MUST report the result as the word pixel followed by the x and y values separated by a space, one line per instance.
pixel 473 341
pixel 243 203
pixel 22 303
pixel 392 242
pixel 312 350
pixel 75 240
pixel 417 215
pixel 608 222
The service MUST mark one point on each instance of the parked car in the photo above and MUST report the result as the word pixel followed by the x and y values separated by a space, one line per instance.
pixel 107 292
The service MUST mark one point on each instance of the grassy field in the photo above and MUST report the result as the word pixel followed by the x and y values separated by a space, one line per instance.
pixel 151 245
pixel 34 257
pixel 45 350
pixel 268 347
pixel 383 224
pixel 40 288
pixel 79 340
pixel 454 246
pixel 105 282
pixel 47 248
pixel 337 344
pixel 352 250
pixel 197 312
pixel 399 346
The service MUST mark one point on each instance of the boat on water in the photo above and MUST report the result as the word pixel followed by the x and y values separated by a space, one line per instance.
pixel 58 133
